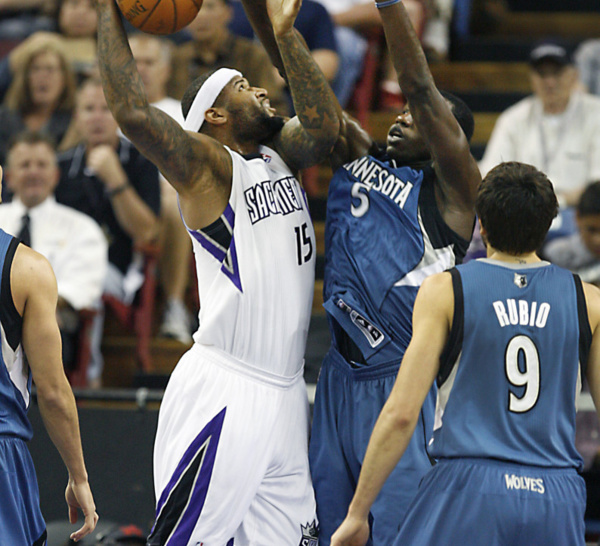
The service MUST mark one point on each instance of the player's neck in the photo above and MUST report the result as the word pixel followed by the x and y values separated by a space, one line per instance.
pixel 529 258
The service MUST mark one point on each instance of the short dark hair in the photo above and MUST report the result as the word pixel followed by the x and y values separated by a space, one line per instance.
pixel 462 113
pixel 516 204
pixel 589 202
pixel 32 138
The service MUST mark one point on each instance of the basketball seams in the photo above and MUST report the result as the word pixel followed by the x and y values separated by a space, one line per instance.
pixel 174 16
pixel 141 26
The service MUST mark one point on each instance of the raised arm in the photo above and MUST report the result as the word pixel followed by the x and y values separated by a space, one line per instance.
pixel 194 164
pixel 353 141
pixel 308 138
pixel 432 321
pixel 457 170
pixel 35 296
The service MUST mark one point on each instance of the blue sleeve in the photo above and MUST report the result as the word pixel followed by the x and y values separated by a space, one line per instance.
pixel 316 26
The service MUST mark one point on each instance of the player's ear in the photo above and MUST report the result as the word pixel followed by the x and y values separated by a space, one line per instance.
pixel 216 116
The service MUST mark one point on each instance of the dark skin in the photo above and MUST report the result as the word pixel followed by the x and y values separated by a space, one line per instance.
pixel 196 164
pixel 425 131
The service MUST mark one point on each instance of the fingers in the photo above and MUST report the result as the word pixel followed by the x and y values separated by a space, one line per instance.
pixel 90 524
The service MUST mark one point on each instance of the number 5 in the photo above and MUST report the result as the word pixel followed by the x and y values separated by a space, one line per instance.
pixel 303 240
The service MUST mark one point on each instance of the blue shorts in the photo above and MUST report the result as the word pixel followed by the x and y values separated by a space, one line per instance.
pixel 347 404
pixel 489 503
pixel 21 521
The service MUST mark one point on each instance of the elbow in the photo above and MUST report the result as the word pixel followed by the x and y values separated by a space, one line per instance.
pixel 419 89
pixel 130 119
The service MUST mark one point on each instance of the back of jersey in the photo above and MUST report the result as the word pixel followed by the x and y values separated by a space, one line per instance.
pixel 511 373
pixel 15 377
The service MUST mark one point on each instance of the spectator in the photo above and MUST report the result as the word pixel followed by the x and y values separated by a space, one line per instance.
pixel 315 25
pixel 77 23
pixel 73 243
pixel 587 59
pixel 557 129
pixel 108 179
pixel 581 251
pixel 214 46
pixel 153 59
pixel 41 95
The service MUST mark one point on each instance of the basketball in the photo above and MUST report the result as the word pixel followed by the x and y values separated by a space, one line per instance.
pixel 160 16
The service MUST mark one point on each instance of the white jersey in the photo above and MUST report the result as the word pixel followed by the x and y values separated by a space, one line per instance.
pixel 255 268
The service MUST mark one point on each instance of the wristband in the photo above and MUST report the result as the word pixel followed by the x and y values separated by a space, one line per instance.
pixel 119 189
pixel 386 3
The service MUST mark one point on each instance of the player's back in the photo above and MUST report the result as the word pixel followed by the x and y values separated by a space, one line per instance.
pixel 509 380
pixel 15 378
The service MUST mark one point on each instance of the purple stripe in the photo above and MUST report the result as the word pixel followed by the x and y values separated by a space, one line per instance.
pixel 229 215
pixel 230 543
pixel 213 431
pixel 233 276
pixel 217 253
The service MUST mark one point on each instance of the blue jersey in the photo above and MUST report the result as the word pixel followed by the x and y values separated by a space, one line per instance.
pixel 384 235
pixel 15 376
pixel 512 368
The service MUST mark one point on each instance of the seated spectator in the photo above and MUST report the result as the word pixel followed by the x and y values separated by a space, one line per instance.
pixel 41 95
pixel 153 58
pixel 71 241
pixel 108 179
pixel 580 252
pixel 557 129
pixel 21 18
pixel 587 59
pixel 315 25
pixel 214 46
pixel 76 24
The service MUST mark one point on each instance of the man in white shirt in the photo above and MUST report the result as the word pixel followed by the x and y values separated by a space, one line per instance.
pixel 153 60
pixel 557 129
pixel 70 240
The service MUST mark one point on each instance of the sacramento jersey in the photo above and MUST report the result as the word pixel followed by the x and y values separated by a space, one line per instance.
pixel 508 389
pixel 15 377
pixel 384 235
pixel 255 268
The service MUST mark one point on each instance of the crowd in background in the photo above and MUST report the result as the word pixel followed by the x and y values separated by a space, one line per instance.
pixel 64 155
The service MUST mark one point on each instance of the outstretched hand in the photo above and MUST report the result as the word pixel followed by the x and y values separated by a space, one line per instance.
pixel 283 14
pixel 352 532
pixel 79 496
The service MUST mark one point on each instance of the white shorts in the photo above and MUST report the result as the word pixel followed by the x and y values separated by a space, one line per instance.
pixel 231 457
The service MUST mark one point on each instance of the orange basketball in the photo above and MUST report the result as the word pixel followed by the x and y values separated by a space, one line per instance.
pixel 160 16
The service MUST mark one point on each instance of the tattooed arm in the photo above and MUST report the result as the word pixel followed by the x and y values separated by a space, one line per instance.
pixel 197 166
pixel 308 138
pixel 353 140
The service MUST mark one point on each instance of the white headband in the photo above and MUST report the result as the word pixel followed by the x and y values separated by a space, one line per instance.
pixel 206 97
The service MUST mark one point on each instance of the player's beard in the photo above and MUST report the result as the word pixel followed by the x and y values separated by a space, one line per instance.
pixel 260 128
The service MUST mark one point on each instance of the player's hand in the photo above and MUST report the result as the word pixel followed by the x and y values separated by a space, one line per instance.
pixel 104 162
pixel 352 532
pixel 79 496
pixel 283 14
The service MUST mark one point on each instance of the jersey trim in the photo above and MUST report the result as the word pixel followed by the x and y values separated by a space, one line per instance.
pixel 585 332
pixel 439 232
pixel 9 316
pixel 455 340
